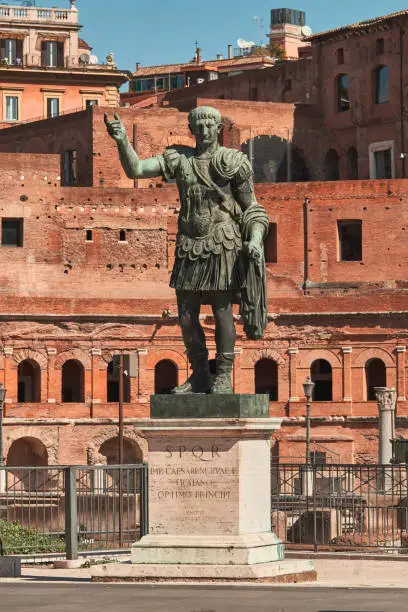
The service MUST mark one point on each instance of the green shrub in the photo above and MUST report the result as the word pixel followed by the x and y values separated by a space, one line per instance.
pixel 18 540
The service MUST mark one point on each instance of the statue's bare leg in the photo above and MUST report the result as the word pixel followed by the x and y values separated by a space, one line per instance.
pixel 194 339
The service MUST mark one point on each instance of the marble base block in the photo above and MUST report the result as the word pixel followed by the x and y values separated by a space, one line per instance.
pixel 209 495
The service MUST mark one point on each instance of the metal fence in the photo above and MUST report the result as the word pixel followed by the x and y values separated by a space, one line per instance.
pixel 341 506
pixel 57 509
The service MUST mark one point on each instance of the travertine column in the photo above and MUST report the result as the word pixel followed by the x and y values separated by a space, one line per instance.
pixel 10 377
pixel 143 390
pixel 52 392
pixel 98 383
pixel 347 395
pixel 401 350
pixel 292 352
pixel 386 398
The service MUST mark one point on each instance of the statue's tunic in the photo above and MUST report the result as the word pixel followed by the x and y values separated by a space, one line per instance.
pixel 209 239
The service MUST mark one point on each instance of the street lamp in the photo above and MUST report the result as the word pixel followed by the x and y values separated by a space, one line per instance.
pixel 308 387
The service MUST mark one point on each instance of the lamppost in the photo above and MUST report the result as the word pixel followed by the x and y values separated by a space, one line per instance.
pixel 308 387
pixel 3 392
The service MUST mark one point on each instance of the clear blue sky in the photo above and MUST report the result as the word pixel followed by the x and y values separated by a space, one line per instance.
pixel 164 31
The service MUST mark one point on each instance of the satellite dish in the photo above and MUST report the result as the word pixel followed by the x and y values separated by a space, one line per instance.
pixel 84 58
pixel 93 59
pixel 306 31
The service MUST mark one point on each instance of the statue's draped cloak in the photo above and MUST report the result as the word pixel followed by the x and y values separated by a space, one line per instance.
pixel 212 228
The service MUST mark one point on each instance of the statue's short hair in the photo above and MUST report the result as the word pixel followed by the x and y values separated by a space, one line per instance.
pixel 204 112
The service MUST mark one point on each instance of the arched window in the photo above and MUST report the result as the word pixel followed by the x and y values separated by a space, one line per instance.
pixel 113 383
pixel 28 452
pixel 275 160
pixel 352 164
pixel 331 163
pixel 73 376
pixel 165 377
pixel 321 374
pixel 381 93
pixel 342 93
pixel 29 381
pixel 376 376
pixel 266 378
pixel 132 454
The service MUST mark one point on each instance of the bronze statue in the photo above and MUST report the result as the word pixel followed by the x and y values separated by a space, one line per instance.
pixel 219 251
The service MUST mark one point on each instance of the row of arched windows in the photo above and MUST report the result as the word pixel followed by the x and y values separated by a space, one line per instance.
pixel 166 377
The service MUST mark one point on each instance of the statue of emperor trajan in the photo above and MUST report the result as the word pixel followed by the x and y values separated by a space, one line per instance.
pixel 219 250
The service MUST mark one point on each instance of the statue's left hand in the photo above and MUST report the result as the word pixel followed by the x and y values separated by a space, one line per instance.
pixel 254 250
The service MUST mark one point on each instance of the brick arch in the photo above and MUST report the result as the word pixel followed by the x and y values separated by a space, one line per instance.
pixel 374 353
pixel 78 354
pixel 176 357
pixel 254 132
pixel 23 354
pixel 92 450
pixel 266 353
pixel 306 360
pixel 48 438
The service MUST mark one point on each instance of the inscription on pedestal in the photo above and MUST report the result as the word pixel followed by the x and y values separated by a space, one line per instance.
pixel 193 486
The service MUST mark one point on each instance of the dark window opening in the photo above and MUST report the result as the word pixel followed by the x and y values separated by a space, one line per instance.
pixel 12 232
pixel 72 382
pixel 340 56
pixel 122 236
pixel 52 54
pixel 165 377
pixel 271 244
pixel 383 164
pixel 352 164
pixel 253 94
pixel 70 168
pixel 266 378
pixel 376 376
pixel 29 381
pixel 11 51
pixel 381 93
pixel 350 236
pixel 342 93
pixel 321 374
pixel 53 107
pixel 113 375
pixel 90 103
pixel 332 166
pixel 379 46
pixel 288 85
pixel 89 235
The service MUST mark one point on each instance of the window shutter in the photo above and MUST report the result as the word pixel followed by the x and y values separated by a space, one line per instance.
pixel 19 49
pixel 43 53
pixel 60 54
pixel 2 48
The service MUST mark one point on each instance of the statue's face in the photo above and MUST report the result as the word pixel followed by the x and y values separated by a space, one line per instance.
pixel 206 131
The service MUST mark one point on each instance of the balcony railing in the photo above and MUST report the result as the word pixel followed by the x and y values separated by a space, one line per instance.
pixel 42 15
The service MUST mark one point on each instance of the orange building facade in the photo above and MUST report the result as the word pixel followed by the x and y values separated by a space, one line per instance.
pixel 46 69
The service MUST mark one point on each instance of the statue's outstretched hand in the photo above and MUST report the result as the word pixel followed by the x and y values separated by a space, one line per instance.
pixel 116 129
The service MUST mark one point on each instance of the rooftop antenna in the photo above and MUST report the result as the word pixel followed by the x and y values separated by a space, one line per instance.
pixel 258 21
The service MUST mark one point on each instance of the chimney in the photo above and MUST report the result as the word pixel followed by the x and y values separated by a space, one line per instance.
pixel 137 66
pixel 219 56
pixel 230 54
pixel 198 54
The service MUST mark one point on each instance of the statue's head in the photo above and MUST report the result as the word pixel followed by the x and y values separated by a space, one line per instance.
pixel 205 124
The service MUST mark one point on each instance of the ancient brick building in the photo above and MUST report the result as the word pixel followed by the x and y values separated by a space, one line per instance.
pixel 85 275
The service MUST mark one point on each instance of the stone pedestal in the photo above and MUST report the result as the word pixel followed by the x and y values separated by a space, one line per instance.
pixel 209 494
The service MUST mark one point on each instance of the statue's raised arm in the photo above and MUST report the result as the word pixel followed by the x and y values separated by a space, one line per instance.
pixel 134 167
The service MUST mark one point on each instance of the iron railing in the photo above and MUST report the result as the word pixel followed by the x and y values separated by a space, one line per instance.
pixel 342 506
pixel 58 509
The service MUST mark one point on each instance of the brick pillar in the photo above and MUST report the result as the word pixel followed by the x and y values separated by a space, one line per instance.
pixel 143 389
pixel 10 377
pixel 293 352
pixel 236 372
pixel 347 392
pixel 52 390
pixel 98 380
pixel 401 350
